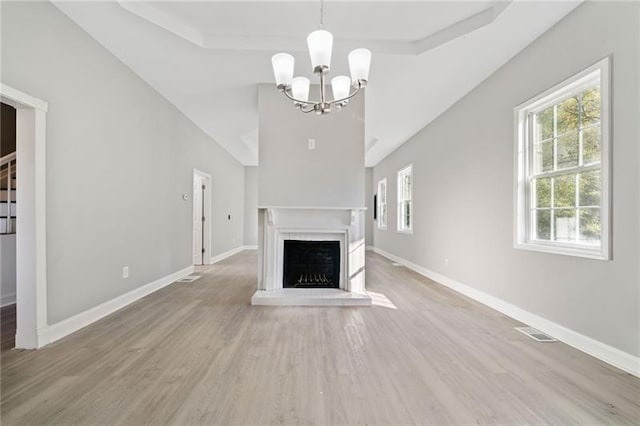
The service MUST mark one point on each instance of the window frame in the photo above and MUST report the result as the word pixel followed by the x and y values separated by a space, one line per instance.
pixel 382 226
pixel 524 162
pixel 400 173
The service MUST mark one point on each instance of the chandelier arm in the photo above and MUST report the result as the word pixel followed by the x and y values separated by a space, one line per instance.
pixel 337 101
pixel 297 100
pixel 355 92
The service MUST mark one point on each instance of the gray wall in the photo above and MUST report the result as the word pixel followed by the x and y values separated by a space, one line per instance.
pixel 332 175
pixel 250 206
pixel 463 168
pixel 119 158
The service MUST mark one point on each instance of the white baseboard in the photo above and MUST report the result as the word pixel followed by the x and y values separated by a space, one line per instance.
pixel 250 247
pixel 64 328
pixel 595 348
pixel 8 299
pixel 369 248
pixel 222 256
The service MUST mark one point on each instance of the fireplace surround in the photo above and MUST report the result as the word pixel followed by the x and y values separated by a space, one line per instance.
pixel 336 232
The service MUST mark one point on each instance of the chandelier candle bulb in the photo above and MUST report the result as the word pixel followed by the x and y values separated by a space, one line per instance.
pixel 283 69
pixel 320 43
pixel 340 86
pixel 300 88
pixel 359 64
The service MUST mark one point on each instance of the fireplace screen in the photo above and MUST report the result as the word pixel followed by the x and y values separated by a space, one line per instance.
pixel 311 264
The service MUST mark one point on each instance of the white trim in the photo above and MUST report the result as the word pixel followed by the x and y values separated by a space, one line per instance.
pixel 620 359
pixel 18 99
pixel 255 247
pixel 407 170
pixel 8 299
pixel 382 226
pixel 566 86
pixel 559 248
pixel 187 31
pixel 31 241
pixel 226 254
pixel 70 325
pixel 309 297
pixel 369 248
pixel 521 209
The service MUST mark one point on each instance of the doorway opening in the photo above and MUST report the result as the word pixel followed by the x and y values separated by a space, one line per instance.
pixel 29 213
pixel 202 202
pixel 8 229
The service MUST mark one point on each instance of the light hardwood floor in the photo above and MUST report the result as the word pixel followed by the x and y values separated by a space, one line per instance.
pixel 198 353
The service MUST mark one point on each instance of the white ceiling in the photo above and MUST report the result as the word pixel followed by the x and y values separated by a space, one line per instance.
pixel 207 58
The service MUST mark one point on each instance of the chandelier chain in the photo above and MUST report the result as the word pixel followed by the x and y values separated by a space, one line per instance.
pixel 321 14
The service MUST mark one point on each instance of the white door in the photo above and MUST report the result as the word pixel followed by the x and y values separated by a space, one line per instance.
pixel 198 219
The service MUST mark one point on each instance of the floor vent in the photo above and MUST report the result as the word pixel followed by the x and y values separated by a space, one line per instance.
pixel 188 279
pixel 536 334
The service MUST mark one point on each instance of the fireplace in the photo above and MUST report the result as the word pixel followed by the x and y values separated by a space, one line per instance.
pixel 311 264
pixel 311 256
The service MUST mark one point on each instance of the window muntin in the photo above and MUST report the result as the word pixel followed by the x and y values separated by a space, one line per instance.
pixel 405 199
pixel 564 183
pixel 563 167
pixel 382 204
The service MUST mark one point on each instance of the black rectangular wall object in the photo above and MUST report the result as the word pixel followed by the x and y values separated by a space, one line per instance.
pixel 311 264
pixel 375 206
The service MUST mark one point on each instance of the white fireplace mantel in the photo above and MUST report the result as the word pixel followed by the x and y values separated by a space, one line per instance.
pixel 278 224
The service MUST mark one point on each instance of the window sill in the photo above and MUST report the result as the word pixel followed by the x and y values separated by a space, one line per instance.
pixel 405 231
pixel 597 254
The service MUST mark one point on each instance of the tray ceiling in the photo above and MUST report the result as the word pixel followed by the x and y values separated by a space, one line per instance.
pixel 207 58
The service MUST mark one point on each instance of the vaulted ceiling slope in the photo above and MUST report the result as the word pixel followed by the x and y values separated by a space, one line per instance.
pixel 207 58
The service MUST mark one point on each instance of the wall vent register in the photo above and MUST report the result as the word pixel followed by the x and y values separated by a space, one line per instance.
pixel 536 334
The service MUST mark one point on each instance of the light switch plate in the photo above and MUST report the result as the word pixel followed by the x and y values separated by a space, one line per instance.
pixel 311 144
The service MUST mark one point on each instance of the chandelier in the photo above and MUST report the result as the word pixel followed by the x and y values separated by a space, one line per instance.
pixel 320 44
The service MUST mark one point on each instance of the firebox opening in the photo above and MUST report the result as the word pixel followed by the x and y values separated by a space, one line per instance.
pixel 311 264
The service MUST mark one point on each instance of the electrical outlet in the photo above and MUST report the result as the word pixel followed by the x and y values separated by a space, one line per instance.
pixel 446 262
pixel 311 143
pixel 125 272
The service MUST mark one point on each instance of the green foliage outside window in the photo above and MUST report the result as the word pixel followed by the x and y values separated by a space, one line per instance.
pixel 566 137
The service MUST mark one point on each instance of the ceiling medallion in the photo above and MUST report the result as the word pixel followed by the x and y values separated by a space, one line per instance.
pixel 320 43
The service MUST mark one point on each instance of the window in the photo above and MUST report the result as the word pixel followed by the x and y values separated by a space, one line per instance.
pixel 382 204
pixel 405 204
pixel 562 190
